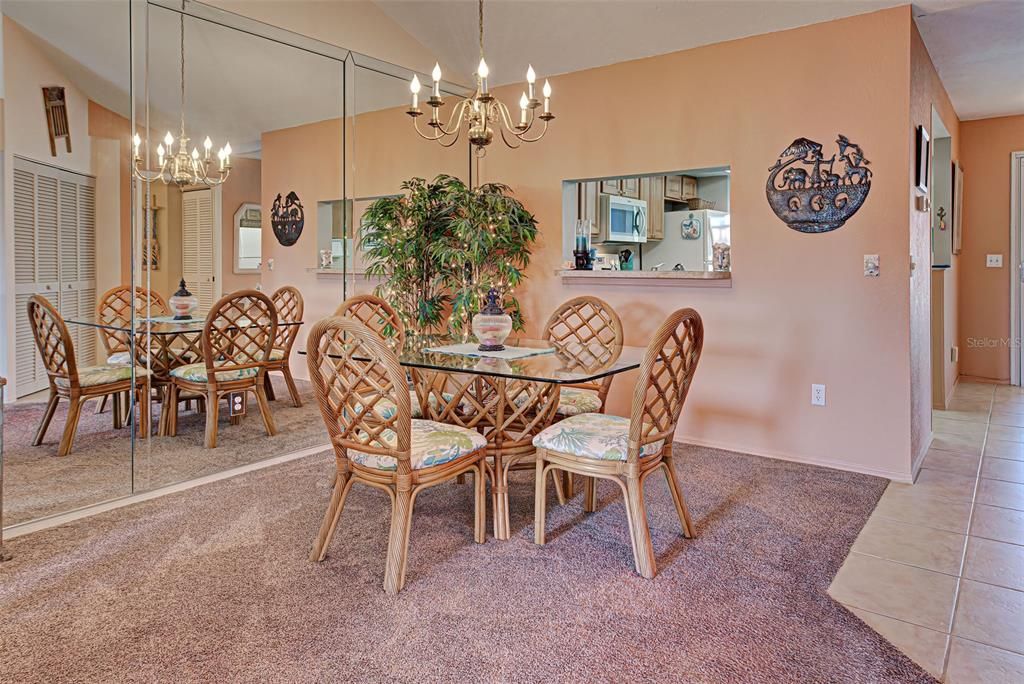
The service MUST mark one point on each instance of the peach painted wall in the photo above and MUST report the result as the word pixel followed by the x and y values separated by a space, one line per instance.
pixel 800 310
pixel 104 123
pixel 243 185
pixel 926 92
pixel 986 148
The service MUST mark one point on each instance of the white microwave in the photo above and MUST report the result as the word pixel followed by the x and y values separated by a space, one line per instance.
pixel 622 219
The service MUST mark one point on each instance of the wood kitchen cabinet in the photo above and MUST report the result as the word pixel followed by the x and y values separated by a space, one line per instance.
pixel 652 191
pixel 680 188
pixel 626 187
pixel 589 199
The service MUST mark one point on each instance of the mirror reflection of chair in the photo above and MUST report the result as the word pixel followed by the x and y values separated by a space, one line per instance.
pixel 627 450
pixel 114 315
pixel 237 338
pixel 288 302
pixel 75 384
pixel 362 392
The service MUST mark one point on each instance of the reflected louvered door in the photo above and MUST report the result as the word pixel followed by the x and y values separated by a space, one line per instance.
pixel 197 248
pixel 54 255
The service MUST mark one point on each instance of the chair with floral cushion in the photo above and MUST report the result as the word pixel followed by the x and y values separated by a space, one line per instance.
pixel 363 396
pixel 587 331
pixel 288 302
pixel 114 314
pixel 75 384
pixel 627 450
pixel 237 337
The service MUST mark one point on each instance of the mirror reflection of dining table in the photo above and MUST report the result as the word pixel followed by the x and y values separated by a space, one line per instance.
pixel 508 400
pixel 163 343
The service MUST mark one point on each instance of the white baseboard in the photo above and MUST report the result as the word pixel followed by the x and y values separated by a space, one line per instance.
pixel 916 466
pixel 22 529
pixel 896 476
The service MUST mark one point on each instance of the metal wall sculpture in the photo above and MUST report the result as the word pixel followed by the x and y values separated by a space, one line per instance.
pixel 287 219
pixel 809 194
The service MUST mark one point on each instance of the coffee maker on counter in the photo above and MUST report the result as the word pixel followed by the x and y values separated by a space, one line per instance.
pixel 583 260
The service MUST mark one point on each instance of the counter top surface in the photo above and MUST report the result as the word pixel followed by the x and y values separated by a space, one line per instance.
pixel 665 275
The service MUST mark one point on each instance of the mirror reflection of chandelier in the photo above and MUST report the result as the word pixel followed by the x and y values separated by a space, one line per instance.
pixel 482 114
pixel 182 167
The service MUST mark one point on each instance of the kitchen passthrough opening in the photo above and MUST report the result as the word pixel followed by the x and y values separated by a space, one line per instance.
pixel 674 221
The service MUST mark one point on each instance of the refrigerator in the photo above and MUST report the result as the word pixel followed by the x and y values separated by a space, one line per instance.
pixel 689 240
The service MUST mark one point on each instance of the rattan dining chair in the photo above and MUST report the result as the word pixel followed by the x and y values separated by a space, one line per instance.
pixel 587 330
pixel 288 302
pixel 75 384
pixel 114 313
pixel 627 450
pixel 237 337
pixel 364 401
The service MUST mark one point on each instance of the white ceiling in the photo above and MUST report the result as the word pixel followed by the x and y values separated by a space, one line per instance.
pixel 978 51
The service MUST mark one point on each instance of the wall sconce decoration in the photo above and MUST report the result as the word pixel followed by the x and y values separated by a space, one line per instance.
pixel 811 196
pixel 56 117
pixel 287 219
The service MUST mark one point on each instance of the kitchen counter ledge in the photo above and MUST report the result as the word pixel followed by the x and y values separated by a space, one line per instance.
pixel 646 278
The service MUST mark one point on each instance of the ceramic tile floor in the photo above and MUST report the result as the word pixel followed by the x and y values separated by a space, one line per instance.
pixel 938 569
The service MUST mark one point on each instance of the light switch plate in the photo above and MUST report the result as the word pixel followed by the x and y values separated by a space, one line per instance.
pixel 870 265
pixel 994 260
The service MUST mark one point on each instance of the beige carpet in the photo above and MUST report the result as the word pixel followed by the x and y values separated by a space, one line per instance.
pixel 101 467
pixel 213 584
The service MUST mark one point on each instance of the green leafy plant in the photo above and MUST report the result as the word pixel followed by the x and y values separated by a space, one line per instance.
pixel 442 245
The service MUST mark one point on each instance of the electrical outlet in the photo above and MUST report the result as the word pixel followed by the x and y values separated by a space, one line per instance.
pixel 993 260
pixel 817 395
pixel 954 354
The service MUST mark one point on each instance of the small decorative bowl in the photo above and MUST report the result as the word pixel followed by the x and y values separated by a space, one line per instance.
pixel 183 303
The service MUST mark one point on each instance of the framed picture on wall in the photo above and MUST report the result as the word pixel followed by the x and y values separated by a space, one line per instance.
pixel 923 157
pixel 958 207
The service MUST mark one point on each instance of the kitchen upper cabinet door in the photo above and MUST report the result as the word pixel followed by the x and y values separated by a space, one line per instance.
pixel 611 187
pixel 589 204
pixel 629 187
pixel 689 187
pixel 674 188
pixel 652 191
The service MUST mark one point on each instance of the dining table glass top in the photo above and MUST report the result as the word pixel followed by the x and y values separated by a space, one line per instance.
pixel 162 325
pixel 562 366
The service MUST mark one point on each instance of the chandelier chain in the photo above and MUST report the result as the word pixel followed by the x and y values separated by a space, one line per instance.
pixel 481 29
pixel 182 62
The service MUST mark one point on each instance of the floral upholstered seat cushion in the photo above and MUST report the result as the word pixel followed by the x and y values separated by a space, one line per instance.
pixel 573 401
pixel 121 358
pixel 196 372
pixel 386 408
pixel 91 376
pixel 592 435
pixel 432 444
pixel 276 354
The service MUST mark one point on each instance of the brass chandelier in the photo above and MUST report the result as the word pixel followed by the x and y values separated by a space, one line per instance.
pixel 482 114
pixel 182 168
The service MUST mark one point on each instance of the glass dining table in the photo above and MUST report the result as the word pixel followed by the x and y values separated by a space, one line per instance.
pixel 162 344
pixel 508 400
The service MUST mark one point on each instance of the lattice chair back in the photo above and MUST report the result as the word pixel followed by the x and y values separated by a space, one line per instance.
pixel 587 334
pixel 239 333
pixel 665 376
pixel 115 309
pixel 360 387
pixel 52 340
pixel 377 315
pixel 288 302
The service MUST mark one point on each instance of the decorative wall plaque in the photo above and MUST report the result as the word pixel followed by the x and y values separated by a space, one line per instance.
pixel 287 219
pixel 809 193
pixel 56 117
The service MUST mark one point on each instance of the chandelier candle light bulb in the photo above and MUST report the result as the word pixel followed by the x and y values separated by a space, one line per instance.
pixel 414 88
pixel 531 78
pixel 436 74
pixel 524 102
pixel 547 97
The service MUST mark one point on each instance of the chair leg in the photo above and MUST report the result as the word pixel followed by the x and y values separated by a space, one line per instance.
pixel 116 410
pixel 268 387
pixel 540 499
pixel 101 405
pixel 145 411
pixel 480 504
pixel 292 389
pixel 677 497
pixel 643 551
pixel 342 483
pixel 398 541
pixel 559 480
pixel 70 427
pixel 51 408
pixel 589 494
pixel 212 409
pixel 126 407
pixel 567 483
pixel 268 417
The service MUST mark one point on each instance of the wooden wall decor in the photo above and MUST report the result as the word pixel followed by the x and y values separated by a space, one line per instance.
pixel 812 196
pixel 923 160
pixel 958 207
pixel 150 239
pixel 56 117
pixel 287 219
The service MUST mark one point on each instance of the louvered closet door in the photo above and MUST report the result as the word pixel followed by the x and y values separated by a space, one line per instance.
pixel 197 253
pixel 54 255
